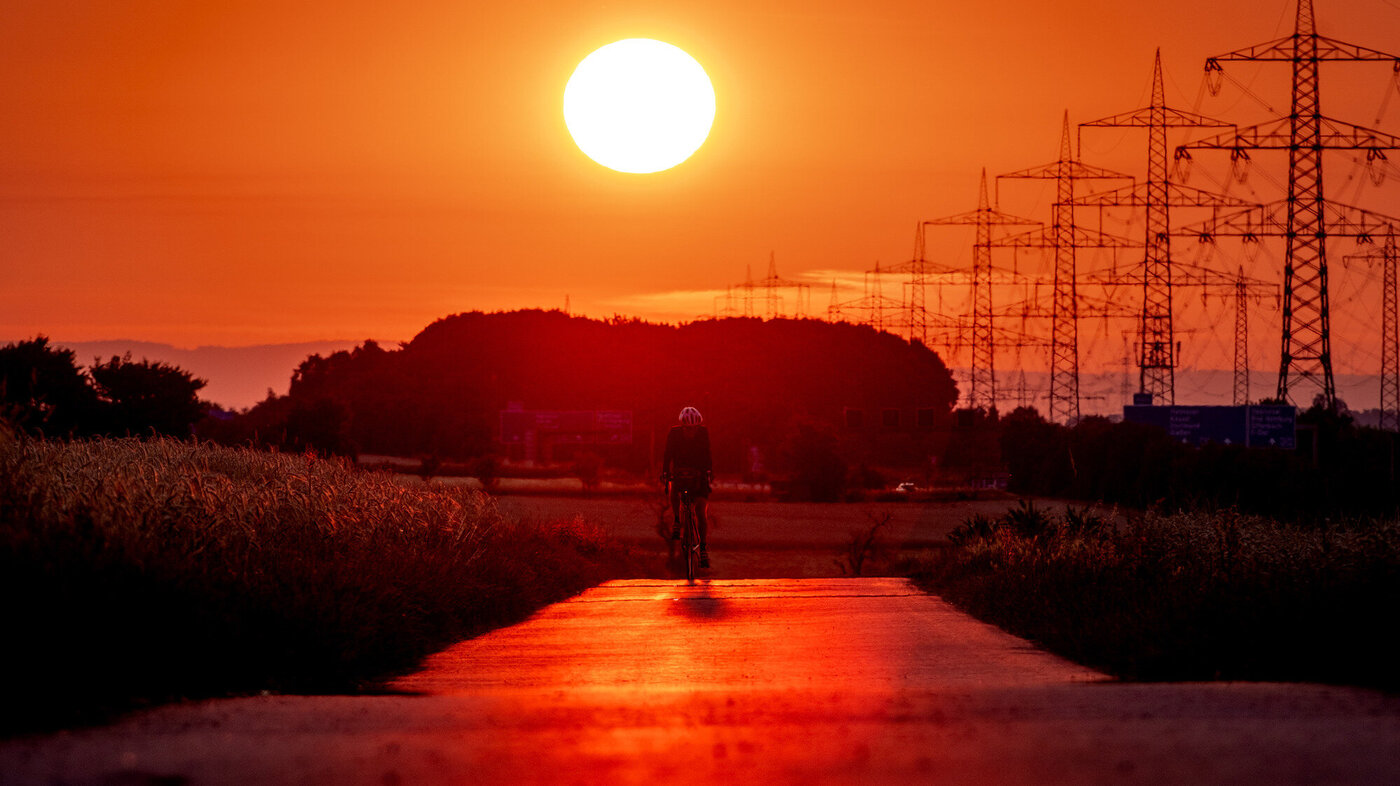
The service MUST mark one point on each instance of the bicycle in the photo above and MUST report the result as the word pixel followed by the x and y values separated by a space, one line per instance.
pixel 690 534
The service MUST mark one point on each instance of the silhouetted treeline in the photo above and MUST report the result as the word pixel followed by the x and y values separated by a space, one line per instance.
pixel 442 393
pixel 1141 466
pixel 45 392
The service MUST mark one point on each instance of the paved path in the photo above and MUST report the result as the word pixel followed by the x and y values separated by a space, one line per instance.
pixel 781 681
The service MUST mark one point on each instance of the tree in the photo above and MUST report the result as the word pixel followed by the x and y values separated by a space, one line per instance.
pixel 143 398
pixel 812 455
pixel 488 471
pixel 321 425
pixel 43 391
pixel 1037 453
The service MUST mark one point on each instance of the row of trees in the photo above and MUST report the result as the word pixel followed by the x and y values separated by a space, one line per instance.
pixel 776 389
pixel 1339 469
pixel 442 393
pixel 45 392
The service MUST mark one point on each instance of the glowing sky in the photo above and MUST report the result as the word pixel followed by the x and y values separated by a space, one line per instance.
pixel 243 172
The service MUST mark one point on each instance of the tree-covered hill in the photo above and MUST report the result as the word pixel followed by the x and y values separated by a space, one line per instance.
pixel 754 380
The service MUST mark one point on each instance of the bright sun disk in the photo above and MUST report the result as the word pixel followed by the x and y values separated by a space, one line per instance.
pixel 639 105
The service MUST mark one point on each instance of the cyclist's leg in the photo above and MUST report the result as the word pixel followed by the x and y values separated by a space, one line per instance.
pixel 701 526
pixel 701 520
pixel 675 511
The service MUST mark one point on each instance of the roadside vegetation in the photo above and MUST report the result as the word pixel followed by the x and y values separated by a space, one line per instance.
pixel 1187 596
pixel 136 572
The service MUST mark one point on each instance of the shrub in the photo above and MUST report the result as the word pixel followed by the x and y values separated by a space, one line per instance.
pixel 865 547
pixel 1027 520
pixel 973 528
pixel 588 468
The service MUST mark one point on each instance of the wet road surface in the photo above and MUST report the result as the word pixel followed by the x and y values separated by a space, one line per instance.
pixel 760 681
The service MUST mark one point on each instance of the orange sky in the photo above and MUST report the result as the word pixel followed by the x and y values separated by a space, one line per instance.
pixel 199 172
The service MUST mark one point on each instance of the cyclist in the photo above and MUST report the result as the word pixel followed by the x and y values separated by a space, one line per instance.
pixel 686 465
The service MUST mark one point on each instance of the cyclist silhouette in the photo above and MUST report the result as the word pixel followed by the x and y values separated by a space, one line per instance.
pixel 686 465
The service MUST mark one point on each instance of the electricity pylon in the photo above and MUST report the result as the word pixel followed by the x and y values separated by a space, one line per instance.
pixel 1064 237
pixel 983 391
pixel 833 310
pixel 771 285
pixel 873 304
pixel 1310 217
pixel 1390 331
pixel 773 282
pixel 728 309
pixel 1390 341
pixel 916 313
pixel 1157 341
pixel 1241 380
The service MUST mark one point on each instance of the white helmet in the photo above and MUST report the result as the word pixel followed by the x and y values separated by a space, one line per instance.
pixel 690 416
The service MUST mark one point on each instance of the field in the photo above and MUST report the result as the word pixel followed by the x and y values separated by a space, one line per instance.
pixel 772 539
pixel 1188 596
pixel 146 571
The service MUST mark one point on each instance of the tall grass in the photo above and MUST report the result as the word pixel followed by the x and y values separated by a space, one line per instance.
pixel 143 571
pixel 1192 596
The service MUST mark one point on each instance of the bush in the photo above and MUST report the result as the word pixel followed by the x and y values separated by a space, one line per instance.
pixel 1028 521
pixel 588 468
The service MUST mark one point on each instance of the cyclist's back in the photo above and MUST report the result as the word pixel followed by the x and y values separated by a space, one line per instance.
pixel 687 455
pixel 688 466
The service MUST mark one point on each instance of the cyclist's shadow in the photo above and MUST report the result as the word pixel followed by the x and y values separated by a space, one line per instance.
pixel 699 603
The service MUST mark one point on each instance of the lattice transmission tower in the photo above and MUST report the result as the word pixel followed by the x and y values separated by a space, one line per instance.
pixel 1306 218
pixel 1063 238
pixel 833 309
pixel 983 391
pixel 916 316
pixel 768 291
pixel 1157 195
pixel 1390 330
pixel 1390 340
pixel 1240 395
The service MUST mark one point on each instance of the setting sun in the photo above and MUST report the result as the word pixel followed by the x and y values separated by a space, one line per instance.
pixel 639 105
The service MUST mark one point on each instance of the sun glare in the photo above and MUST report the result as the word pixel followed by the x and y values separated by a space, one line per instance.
pixel 639 105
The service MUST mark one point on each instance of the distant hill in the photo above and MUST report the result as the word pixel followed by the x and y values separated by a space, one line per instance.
pixel 444 391
pixel 238 377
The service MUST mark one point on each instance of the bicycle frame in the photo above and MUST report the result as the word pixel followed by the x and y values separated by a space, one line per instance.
pixel 690 535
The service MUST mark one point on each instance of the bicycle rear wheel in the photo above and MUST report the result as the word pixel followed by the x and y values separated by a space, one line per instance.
pixel 689 542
